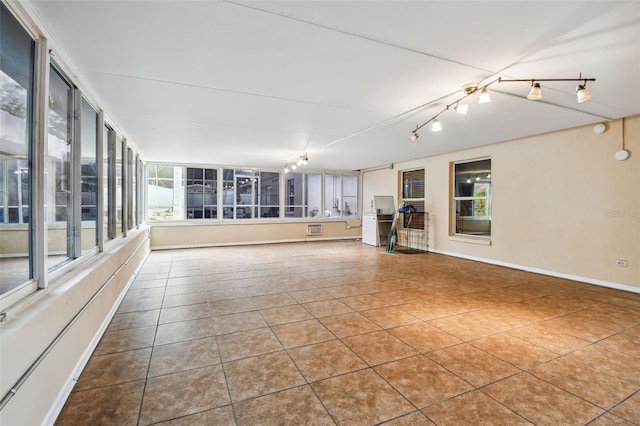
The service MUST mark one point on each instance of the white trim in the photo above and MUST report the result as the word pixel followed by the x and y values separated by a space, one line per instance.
pixel 571 277
pixel 246 243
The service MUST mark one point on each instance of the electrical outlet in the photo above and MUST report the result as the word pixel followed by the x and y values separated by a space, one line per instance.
pixel 622 263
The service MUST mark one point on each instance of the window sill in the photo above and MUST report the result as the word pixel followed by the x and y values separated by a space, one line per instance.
pixel 483 241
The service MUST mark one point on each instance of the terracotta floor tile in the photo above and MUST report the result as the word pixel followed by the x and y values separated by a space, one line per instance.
pixel 136 305
pixel 324 360
pixel 611 363
pixel 627 342
pixel 184 393
pixel 424 338
pixel 629 409
pixel 379 347
pixel 540 402
pixel 389 317
pixel 238 322
pixel 244 344
pixel 514 351
pixel 114 368
pixel 302 333
pixel 182 356
pixel 273 300
pixel 609 419
pixel 344 291
pixel 363 302
pixel 226 294
pixel 414 419
pixel 589 325
pixel 285 314
pixel 134 320
pixel 261 375
pixel 297 406
pixel 312 295
pixel 118 404
pixel 473 408
pixel 184 313
pixel 184 299
pixel 361 398
pixel 184 289
pixel 222 416
pixel 184 330
pixel 581 379
pixel 550 338
pixel 327 308
pixel 348 324
pixel 126 340
pixel 232 306
pixel 472 364
pixel 422 381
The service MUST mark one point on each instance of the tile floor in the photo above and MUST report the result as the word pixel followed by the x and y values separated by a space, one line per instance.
pixel 339 333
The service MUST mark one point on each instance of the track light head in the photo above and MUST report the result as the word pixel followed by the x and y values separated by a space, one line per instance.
pixel 414 136
pixel 461 108
pixel 536 92
pixel 286 169
pixel 436 127
pixel 484 96
pixel 583 94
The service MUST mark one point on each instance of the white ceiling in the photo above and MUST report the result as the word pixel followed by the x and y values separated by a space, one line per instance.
pixel 258 83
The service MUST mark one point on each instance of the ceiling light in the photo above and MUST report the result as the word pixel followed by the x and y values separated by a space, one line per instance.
pixel 469 179
pixel 477 177
pixel 436 127
pixel 286 169
pixel 484 96
pixel 461 109
pixel 469 88
pixel 414 136
pixel 294 166
pixel 536 92
pixel 583 94
pixel 299 162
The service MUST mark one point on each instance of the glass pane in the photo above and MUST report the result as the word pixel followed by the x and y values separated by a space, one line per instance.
pixel 16 109
pixel 130 186
pixel 244 193
pixel 269 194
pixel 58 169
pixel 293 197
pixel 106 171
pixel 89 176
pixel 413 184
pixel 119 191
pixel 350 196
pixel 228 194
pixel 473 197
pixel 313 194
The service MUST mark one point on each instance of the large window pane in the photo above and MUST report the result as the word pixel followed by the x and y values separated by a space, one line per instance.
pixel 130 190
pixel 165 198
pixel 413 195
pixel 106 182
pixel 472 198
pixel 202 193
pixel 341 196
pixel 269 194
pixel 16 124
pixel 294 195
pixel 313 194
pixel 119 164
pixel 245 188
pixel 89 178
pixel 58 169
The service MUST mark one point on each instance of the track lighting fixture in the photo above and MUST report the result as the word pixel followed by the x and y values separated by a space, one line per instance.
pixel 303 160
pixel 536 91
pixel 582 93
pixel 461 108
pixel 484 96
pixel 470 89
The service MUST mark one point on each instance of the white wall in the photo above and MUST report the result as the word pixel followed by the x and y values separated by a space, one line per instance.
pixel 561 203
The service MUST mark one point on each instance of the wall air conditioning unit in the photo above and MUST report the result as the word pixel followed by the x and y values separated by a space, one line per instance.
pixel 315 229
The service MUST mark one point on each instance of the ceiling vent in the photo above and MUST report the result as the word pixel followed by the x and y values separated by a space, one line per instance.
pixel 315 229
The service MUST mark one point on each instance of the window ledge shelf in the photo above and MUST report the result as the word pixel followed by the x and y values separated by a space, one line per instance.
pixel 483 241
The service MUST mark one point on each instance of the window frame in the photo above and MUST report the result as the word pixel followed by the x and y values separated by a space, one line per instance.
pixel 456 215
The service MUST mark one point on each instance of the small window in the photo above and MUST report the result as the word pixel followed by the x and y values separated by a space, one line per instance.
pixel 413 198
pixel 472 198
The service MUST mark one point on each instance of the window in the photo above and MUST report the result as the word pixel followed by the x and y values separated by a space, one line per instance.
pixel 120 190
pixel 17 92
pixel 313 196
pixel 89 176
pixel 413 195
pixel 268 194
pixel 58 211
pixel 202 193
pixel 472 197
pixel 341 196
pixel 164 185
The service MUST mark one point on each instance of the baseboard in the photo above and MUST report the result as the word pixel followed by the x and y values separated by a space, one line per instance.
pixel 247 243
pixel 587 280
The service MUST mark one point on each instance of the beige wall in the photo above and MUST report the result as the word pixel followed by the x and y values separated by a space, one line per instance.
pixel 34 323
pixel 197 235
pixel 561 203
